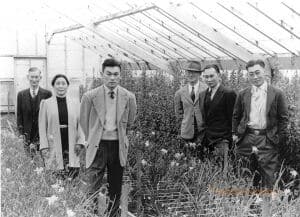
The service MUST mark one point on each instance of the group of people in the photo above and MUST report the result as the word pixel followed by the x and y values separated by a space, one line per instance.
pixel 211 116
pixel 252 123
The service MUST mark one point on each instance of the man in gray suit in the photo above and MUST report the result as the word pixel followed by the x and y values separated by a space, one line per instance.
pixel 186 103
pixel 106 115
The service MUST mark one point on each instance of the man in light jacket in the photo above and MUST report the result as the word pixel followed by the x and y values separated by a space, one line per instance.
pixel 186 103
pixel 106 115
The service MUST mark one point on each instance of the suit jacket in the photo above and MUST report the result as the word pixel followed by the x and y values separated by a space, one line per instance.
pixel 185 109
pixel 217 120
pixel 276 112
pixel 24 112
pixel 92 117
pixel 50 136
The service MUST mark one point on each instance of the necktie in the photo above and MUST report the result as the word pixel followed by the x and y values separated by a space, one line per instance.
pixel 33 93
pixel 193 94
pixel 111 94
pixel 209 94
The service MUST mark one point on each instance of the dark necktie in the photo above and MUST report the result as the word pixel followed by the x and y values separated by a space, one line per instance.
pixel 111 94
pixel 193 94
pixel 209 94
pixel 33 93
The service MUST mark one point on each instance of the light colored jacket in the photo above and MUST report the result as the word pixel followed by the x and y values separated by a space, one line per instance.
pixel 92 117
pixel 185 109
pixel 49 131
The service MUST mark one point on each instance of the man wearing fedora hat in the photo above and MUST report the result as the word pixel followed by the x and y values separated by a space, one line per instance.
pixel 186 103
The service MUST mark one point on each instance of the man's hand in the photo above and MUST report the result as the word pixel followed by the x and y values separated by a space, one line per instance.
pixel 45 153
pixel 235 138
pixel 32 148
pixel 78 149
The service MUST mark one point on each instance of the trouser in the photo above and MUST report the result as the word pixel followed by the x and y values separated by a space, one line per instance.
pixel 107 157
pixel 262 160
pixel 217 149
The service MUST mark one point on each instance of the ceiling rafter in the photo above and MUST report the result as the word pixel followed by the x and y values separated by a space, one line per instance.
pixel 274 21
pixel 252 26
pixel 205 33
pixel 232 30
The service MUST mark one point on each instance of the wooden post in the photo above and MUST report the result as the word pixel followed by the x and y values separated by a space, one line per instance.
pixel 66 55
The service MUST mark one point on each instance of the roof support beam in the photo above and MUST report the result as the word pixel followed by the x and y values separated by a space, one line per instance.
pixel 274 21
pixel 205 33
pixel 123 44
pixel 106 18
pixel 232 30
pixel 292 9
pixel 252 26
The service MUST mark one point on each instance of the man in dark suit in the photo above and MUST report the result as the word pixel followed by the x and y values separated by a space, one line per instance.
pixel 216 106
pixel 28 103
pixel 259 125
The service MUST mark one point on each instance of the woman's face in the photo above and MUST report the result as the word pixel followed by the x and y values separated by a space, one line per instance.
pixel 60 86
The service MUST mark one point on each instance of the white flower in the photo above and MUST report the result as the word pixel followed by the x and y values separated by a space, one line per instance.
pixel 177 164
pixel 52 199
pixel 172 164
pixel 164 151
pixel 144 162
pixel 69 179
pixel 193 145
pixel 85 143
pixel 147 143
pixel 294 173
pixel 287 191
pixel 55 186
pixel 254 150
pixel 8 170
pixel 39 170
pixel 178 155
pixel 153 133
pixel 32 161
pixel 70 213
pixel 60 189
pixel 258 199
pixel 191 168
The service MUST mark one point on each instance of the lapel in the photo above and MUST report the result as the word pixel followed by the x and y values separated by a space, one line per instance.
pixel 55 112
pixel 201 102
pixel 197 95
pixel 98 102
pixel 217 97
pixel 27 97
pixel 186 94
pixel 122 99
pixel 270 98
pixel 248 95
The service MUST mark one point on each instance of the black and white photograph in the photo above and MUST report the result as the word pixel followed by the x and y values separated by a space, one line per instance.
pixel 150 108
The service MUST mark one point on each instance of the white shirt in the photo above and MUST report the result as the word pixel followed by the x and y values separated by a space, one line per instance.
pixel 258 119
pixel 35 91
pixel 214 90
pixel 196 87
pixel 110 124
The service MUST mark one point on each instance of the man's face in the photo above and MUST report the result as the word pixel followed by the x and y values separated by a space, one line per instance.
pixel 111 76
pixel 34 78
pixel 211 77
pixel 192 77
pixel 256 75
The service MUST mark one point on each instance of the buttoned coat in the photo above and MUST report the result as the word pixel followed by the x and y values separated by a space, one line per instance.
pixel 92 117
pixel 50 136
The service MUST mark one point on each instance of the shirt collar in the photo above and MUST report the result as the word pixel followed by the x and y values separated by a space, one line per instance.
pixel 107 90
pixel 215 88
pixel 195 85
pixel 35 91
pixel 263 88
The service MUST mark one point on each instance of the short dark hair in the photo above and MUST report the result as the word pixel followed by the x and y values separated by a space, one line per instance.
pixel 34 69
pixel 111 62
pixel 255 62
pixel 59 76
pixel 212 66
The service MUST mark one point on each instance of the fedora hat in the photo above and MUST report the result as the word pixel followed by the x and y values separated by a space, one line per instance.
pixel 194 66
